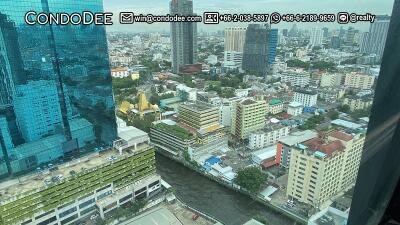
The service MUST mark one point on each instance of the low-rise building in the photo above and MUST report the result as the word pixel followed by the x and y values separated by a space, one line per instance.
pixel 269 153
pixel 120 72
pixel 358 103
pixel 275 106
pixel 166 135
pixel 296 78
pixel 267 136
pixel 295 108
pixel 329 216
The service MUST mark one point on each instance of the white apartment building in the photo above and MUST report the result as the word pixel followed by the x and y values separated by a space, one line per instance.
pixel 295 108
pixel 233 60
pixel 120 72
pixel 267 136
pixel 321 168
pixel 359 80
pixel 296 78
pixel 305 97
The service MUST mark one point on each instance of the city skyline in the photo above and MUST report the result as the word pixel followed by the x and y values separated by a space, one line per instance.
pixel 160 7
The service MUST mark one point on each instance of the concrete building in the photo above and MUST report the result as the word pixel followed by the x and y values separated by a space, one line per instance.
pixel 295 108
pixel 329 216
pixel 186 93
pixel 295 78
pixel 358 103
pixel 198 115
pixel 376 39
pixel 258 157
pixel 81 187
pixel 233 60
pixel 168 136
pixel 359 80
pixel 316 36
pixel 305 97
pixel 323 167
pixel 285 144
pixel 249 115
pixel 267 136
pixel 120 72
pixel 234 39
pixel 275 106
pixel 130 138
pixel 330 79
pixel 183 36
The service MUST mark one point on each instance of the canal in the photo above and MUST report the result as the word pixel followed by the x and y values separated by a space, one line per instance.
pixel 197 191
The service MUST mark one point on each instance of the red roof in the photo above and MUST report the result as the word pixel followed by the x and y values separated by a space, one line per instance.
pixel 318 144
pixel 341 136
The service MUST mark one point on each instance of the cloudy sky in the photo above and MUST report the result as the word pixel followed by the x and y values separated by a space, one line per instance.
pixel 160 7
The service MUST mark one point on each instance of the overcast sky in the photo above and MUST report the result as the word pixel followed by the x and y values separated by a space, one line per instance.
pixel 160 7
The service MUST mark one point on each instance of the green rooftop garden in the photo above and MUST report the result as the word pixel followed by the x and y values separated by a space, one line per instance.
pixel 275 101
pixel 174 130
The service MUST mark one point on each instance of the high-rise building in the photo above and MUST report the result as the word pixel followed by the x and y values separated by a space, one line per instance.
pixel 233 51
pixel 10 61
pixel 234 39
pixel 335 42
pixel 255 51
pixel 363 42
pixel 248 116
pixel 49 115
pixel 350 34
pixel 183 36
pixel 316 36
pixel 285 32
pixel 272 44
pixel 322 167
pixel 377 36
pixel 325 31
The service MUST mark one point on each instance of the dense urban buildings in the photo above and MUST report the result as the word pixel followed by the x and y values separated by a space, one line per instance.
pixel 53 88
pixel 305 97
pixel 183 36
pixel 359 80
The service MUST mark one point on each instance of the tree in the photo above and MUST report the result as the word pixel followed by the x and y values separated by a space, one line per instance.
pixel 250 178
pixel 333 115
pixel 344 108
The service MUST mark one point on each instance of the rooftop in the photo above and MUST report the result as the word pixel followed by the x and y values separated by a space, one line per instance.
pixel 295 104
pixel 329 216
pixel 320 145
pixel 174 130
pixel 33 182
pixel 307 92
pixel 341 136
pixel 129 133
pixel 346 124
pixel 298 137
pixel 197 106
pixel 158 216
pixel 275 102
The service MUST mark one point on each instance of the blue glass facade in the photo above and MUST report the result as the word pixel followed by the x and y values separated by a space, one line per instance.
pixel 55 86
pixel 272 44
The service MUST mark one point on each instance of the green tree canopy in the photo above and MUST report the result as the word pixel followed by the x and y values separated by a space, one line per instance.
pixel 250 178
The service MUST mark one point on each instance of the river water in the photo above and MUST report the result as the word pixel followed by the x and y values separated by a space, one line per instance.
pixel 229 207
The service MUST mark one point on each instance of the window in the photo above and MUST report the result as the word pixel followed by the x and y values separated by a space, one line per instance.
pixel 66 213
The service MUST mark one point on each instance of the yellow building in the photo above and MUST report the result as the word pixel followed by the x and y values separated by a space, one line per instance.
pixel 358 103
pixel 359 80
pixel 248 116
pixel 321 168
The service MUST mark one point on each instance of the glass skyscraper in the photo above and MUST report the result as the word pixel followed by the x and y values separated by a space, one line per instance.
pixel 56 97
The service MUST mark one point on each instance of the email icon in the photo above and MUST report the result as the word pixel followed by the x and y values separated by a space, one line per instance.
pixel 126 17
